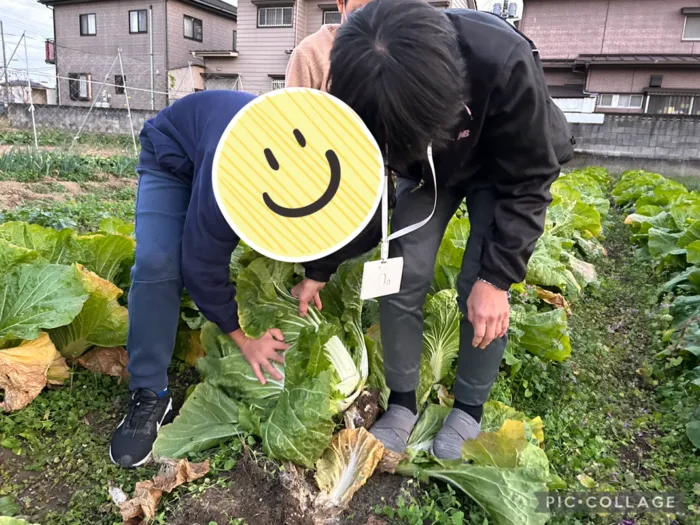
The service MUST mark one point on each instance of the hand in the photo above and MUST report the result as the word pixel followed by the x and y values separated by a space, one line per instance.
pixel 489 313
pixel 259 352
pixel 307 291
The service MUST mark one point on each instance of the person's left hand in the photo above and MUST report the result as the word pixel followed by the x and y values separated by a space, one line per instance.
pixel 307 291
pixel 489 313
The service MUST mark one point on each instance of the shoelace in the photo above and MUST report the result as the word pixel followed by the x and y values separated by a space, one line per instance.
pixel 139 408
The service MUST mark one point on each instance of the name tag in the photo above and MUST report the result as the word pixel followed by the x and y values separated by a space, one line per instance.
pixel 381 278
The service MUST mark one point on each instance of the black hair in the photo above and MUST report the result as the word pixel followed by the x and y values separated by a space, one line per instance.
pixel 397 63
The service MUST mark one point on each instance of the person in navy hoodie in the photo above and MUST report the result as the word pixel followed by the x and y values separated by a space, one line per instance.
pixel 182 239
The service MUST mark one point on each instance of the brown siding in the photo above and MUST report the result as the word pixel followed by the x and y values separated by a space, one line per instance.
pixel 635 80
pixel 217 34
pixel 95 54
pixel 300 15
pixel 314 16
pixel 567 28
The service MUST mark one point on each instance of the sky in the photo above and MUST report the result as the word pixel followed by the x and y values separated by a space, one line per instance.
pixel 37 20
pixel 30 16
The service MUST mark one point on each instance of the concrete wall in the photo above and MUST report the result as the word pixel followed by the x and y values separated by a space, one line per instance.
pixel 568 28
pixel 641 137
pixel 70 118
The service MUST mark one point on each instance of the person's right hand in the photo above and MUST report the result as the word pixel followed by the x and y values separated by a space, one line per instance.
pixel 259 352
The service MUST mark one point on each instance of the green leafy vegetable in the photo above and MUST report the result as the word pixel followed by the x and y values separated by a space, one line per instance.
pixel 440 340
pixel 301 425
pixel 38 297
pixel 207 418
pixel 101 322
pixel 58 247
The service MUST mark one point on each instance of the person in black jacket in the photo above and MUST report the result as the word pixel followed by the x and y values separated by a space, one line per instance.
pixel 468 83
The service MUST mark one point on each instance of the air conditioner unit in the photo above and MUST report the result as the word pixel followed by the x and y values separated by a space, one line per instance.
pixel 655 81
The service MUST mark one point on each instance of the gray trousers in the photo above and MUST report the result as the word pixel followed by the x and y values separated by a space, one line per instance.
pixel 401 314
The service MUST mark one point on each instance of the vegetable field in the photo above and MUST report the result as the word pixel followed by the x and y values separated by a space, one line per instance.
pixel 599 389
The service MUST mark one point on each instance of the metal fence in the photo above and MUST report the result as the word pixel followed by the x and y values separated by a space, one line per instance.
pixel 90 92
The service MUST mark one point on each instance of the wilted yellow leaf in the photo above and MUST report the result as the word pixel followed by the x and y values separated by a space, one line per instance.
pixel 346 465
pixel 513 429
pixel 537 427
pixel 553 298
pixel 58 372
pixel 23 371
pixel 93 283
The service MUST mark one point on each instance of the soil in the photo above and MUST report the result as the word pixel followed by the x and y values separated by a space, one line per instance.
pixel 78 149
pixel 14 193
pixel 262 495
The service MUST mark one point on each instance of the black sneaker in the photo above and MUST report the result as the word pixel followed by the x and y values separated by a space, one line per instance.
pixel 132 442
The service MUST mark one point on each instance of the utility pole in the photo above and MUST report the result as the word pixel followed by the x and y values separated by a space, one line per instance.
pixel 4 63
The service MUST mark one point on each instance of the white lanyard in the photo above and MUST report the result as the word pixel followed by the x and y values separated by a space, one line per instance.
pixel 412 227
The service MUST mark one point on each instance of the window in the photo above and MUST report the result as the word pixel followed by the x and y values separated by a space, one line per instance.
pixel 277 83
pixel 80 86
pixel 88 25
pixel 620 101
pixel 691 31
pixel 235 40
pixel 674 104
pixel 497 8
pixel 193 28
pixel 120 84
pixel 138 21
pixel 275 16
pixel 331 17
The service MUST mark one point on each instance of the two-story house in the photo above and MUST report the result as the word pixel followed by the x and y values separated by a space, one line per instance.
pixel 514 9
pixel 629 56
pixel 157 39
pixel 268 31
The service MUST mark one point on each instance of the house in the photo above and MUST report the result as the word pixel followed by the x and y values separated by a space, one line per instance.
pixel 619 56
pixel 514 8
pixel 268 32
pixel 145 45
pixel 20 92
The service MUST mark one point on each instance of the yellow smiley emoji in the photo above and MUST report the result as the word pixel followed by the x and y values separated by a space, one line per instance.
pixel 297 175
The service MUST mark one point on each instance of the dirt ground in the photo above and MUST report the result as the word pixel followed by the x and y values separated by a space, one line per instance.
pixel 78 149
pixel 14 193
pixel 263 496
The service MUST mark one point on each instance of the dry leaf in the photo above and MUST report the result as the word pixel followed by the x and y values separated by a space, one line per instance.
pixel 148 493
pixel 174 473
pixel 23 371
pixel 553 298
pixel 108 361
pixel 345 466
pixel 390 461
pixel 144 503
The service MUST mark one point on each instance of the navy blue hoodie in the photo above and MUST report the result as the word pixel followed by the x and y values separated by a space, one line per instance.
pixel 181 140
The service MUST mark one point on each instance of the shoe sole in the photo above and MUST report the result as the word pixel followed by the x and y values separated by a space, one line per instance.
pixel 145 460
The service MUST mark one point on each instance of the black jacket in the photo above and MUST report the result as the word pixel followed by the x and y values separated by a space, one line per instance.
pixel 504 141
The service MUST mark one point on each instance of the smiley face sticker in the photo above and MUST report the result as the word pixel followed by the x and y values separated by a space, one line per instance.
pixel 297 175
